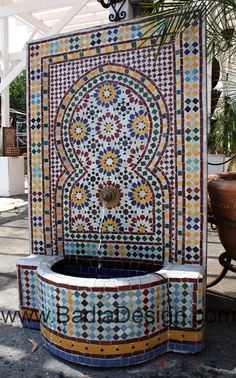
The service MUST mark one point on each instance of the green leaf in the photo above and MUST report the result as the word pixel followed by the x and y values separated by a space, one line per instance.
pixel 18 93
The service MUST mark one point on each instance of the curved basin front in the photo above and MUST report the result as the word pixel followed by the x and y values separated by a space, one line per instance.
pixel 102 321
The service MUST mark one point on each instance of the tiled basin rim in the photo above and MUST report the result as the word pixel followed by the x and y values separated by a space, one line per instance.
pixel 104 268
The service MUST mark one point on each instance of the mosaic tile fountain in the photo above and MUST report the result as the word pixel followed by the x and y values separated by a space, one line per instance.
pixel 117 175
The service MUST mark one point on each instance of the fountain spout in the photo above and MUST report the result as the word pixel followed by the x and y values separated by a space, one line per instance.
pixel 110 197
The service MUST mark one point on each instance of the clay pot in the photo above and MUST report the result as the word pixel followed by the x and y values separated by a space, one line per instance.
pixel 222 193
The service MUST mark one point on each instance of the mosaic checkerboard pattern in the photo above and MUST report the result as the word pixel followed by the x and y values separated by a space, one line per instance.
pixel 28 294
pixel 105 111
pixel 155 314
pixel 158 309
pixel 141 302
pixel 27 279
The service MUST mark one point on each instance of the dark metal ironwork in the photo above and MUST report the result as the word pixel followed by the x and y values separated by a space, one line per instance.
pixel 225 258
pixel 224 162
pixel 225 261
pixel 118 14
pixel 226 265
pixel 108 3
pixel 221 222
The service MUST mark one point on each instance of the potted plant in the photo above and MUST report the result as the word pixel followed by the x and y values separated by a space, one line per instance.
pixel 222 137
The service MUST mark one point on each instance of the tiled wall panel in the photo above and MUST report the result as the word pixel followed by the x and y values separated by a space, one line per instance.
pixel 106 111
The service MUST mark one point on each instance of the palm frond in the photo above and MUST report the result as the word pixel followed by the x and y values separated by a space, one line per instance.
pixel 223 133
pixel 171 18
pixel 218 14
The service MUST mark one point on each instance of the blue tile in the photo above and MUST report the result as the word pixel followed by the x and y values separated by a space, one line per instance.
pixel 31 325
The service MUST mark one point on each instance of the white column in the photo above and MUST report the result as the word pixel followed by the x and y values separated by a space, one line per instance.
pixel 11 168
pixel 209 88
pixel 5 101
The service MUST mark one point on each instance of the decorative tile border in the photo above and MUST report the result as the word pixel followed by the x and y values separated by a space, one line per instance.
pixel 122 355
pixel 126 361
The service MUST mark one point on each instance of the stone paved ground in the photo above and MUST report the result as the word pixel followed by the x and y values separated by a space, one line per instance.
pixel 16 359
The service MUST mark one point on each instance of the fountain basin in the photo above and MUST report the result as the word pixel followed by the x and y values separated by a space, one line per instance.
pixel 115 321
pixel 103 268
pixel 99 321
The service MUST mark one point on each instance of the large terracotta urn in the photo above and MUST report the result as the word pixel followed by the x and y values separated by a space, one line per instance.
pixel 222 193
